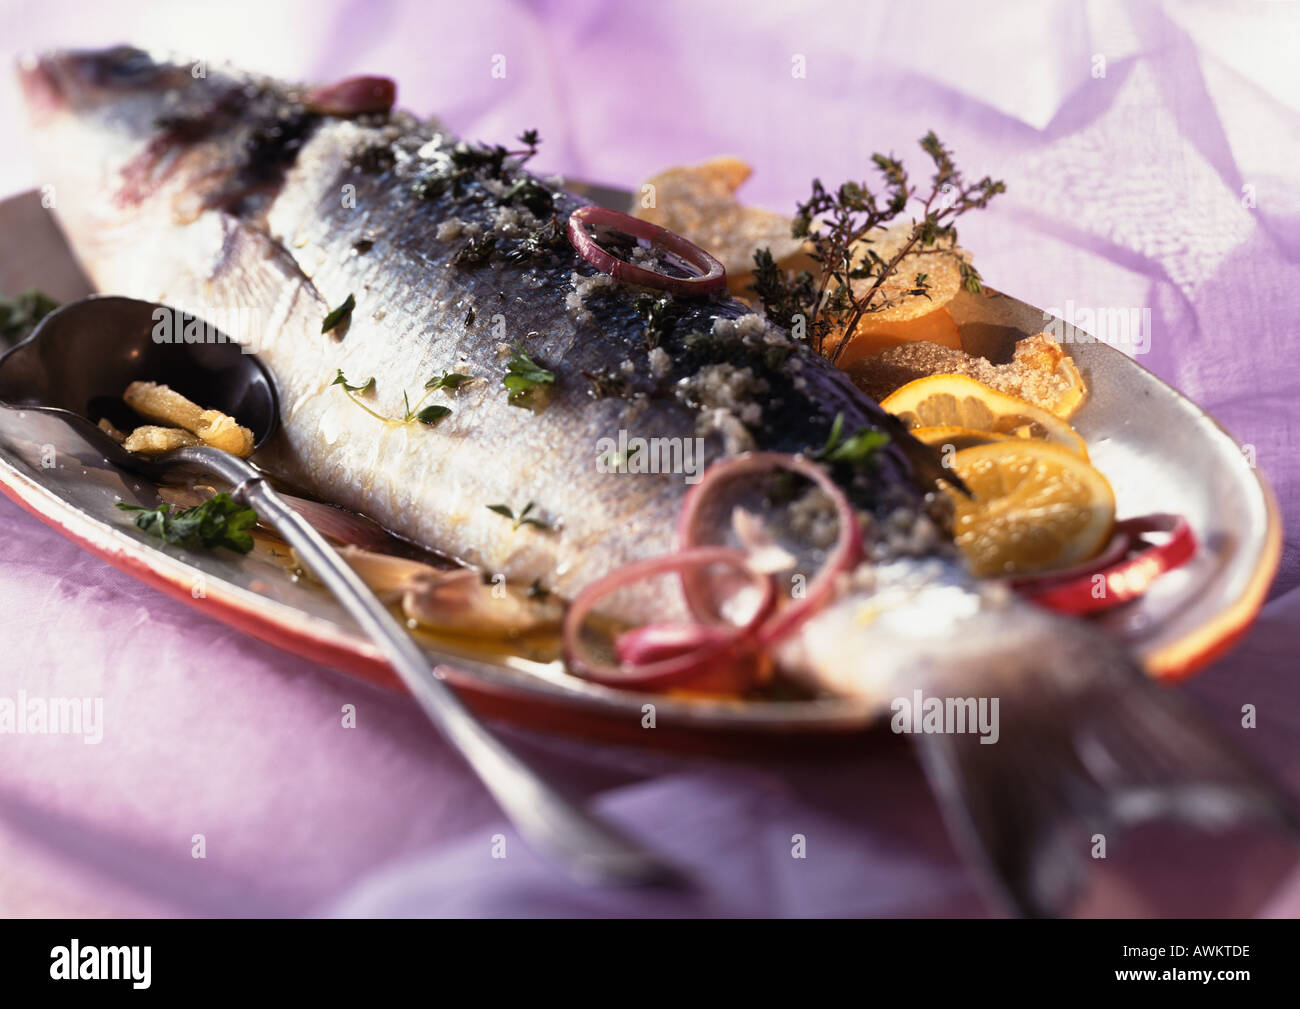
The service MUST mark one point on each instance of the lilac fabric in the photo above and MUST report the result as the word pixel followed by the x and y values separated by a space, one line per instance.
pixel 1150 157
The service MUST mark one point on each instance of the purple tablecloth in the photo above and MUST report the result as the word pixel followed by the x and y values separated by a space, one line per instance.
pixel 1150 156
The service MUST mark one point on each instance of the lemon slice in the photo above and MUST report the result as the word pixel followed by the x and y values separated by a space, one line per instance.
pixel 958 401
pixel 1036 507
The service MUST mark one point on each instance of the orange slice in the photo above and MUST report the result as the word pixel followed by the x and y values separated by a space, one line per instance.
pixel 959 401
pixel 1036 507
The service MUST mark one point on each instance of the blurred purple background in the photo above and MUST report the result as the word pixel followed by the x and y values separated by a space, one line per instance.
pixel 1150 152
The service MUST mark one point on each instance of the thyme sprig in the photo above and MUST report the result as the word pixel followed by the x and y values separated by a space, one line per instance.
pixel 424 414
pixel 661 316
pixel 851 284
pixel 450 380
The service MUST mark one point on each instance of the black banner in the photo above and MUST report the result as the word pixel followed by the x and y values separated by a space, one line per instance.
pixel 87 959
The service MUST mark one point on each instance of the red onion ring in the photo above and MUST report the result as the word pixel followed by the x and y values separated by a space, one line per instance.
pixel 1127 579
pixel 653 642
pixel 844 556
pixel 713 278
pixel 725 644
pixel 1115 550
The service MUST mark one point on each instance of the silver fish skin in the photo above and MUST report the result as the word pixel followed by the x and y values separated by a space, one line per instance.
pixel 224 191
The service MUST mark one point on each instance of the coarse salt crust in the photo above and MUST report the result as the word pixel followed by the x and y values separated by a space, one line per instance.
pixel 1028 376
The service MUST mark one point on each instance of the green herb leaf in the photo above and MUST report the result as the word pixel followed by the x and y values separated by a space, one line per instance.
pixel 522 519
pixel 19 315
pixel 833 439
pixel 476 251
pixel 451 380
pixel 542 244
pixel 432 414
pixel 341 379
pixel 218 522
pixel 532 194
pixel 860 447
pixel 856 450
pixel 971 280
pixel 523 375
pixel 339 315
pixel 661 316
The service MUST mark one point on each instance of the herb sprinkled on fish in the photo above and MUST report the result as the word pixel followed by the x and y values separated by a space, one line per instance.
pixel 524 518
pixel 353 391
pixel 476 251
pixel 432 414
pixel 857 450
pixel 340 315
pixel 363 388
pixel 661 315
pixel 524 376
pixel 450 380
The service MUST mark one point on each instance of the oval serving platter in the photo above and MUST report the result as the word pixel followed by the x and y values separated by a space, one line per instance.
pixel 1160 451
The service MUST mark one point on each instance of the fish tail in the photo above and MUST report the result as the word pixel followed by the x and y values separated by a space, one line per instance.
pixel 1086 745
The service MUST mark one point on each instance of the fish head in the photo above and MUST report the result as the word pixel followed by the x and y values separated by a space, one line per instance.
pixel 122 89
pixel 100 121
pixel 129 144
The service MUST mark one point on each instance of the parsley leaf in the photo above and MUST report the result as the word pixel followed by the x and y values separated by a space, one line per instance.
pixel 523 375
pixel 20 314
pixel 219 521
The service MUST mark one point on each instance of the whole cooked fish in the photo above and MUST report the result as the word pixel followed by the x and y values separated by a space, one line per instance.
pixel 237 197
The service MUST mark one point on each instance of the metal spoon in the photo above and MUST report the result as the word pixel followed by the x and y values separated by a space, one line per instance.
pixel 76 365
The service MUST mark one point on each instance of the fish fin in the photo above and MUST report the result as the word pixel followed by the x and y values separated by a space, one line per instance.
pixel 926 461
pixel 1078 756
